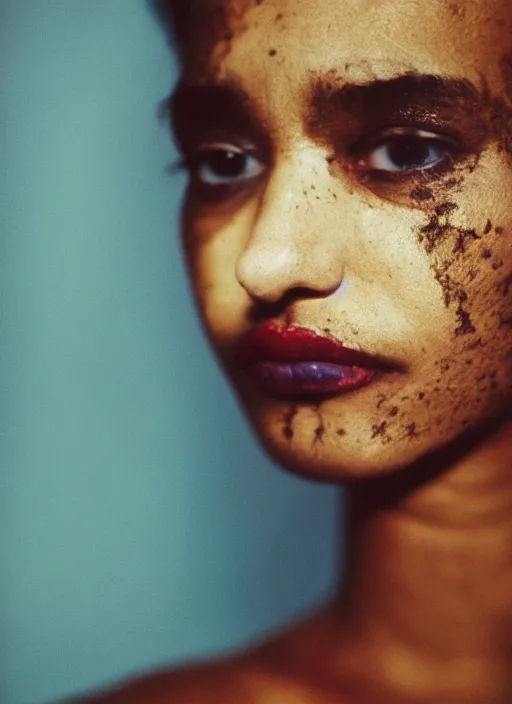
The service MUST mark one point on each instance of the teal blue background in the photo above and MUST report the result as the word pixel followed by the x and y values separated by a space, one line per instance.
pixel 141 523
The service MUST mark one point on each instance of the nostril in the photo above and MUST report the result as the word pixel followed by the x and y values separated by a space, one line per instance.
pixel 264 309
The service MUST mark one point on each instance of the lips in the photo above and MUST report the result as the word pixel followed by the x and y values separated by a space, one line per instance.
pixel 296 362
pixel 295 344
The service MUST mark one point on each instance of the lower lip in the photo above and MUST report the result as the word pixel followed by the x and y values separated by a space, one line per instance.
pixel 308 379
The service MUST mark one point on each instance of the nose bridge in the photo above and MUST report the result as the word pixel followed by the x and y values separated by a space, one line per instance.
pixel 290 245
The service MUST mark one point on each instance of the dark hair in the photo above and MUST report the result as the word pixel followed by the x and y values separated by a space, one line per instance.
pixel 174 15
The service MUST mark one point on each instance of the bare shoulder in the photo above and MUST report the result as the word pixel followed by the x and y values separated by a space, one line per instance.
pixel 216 682
pixel 226 682
pixel 233 681
pixel 276 671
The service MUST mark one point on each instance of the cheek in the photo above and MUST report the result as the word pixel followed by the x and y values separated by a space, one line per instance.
pixel 467 240
pixel 211 255
pixel 462 378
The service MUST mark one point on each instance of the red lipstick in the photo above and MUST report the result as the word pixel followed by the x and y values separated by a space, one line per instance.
pixel 294 362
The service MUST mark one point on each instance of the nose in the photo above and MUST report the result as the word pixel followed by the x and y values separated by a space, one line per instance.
pixel 290 244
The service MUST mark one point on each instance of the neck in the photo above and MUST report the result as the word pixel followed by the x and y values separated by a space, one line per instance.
pixel 426 609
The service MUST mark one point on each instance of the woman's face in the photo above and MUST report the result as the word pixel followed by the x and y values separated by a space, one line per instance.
pixel 351 174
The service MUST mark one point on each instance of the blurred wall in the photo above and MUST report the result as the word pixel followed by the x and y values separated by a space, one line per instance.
pixel 141 523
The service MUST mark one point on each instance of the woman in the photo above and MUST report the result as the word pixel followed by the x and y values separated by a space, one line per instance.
pixel 347 230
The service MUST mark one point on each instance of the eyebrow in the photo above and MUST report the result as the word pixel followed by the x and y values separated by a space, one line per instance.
pixel 408 91
pixel 330 103
pixel 223 106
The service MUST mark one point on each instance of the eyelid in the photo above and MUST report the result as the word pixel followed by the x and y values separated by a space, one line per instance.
pixel 220 144
pixel 367 143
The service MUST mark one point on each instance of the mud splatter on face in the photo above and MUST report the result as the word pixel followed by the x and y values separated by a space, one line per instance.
pixel 421 193
pixel 411 430
pixel 289 416
pixel 339 112
pixel 379 430
pixel 440 236
pixel 451 220
pixel 319 433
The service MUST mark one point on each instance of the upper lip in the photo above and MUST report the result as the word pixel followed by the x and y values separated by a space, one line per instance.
pixel 273 343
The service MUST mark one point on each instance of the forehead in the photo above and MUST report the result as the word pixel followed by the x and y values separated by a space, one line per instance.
pixel 276 44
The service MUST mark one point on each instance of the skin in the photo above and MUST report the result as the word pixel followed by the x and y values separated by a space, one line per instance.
pixel 415 267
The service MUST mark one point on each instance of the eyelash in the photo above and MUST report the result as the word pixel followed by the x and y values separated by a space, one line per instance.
pixel 192 162
pixel 358 160
pixel 407 138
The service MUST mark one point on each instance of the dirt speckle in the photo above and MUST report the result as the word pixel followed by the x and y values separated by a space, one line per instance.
pixel 507 284
pixel 379 430
pixel 504 319
pixel 446 208
pixel 288 421
pixel 319 433
pixel 456 10
pixel 465 326
pixel 411 430
pixel 382 398
pixel 421 193
pixel 446 242
pixel 462 237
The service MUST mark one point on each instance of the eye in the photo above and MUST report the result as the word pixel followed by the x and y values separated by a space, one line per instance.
pixel 223 164
pixel 408 150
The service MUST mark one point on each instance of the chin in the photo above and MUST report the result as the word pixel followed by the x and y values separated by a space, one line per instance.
pixel 311 443
pixel 319 452
pixel 342 462
pixel 398 424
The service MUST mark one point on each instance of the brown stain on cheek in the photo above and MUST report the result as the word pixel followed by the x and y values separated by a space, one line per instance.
pixel 446 244
pixel 459 254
